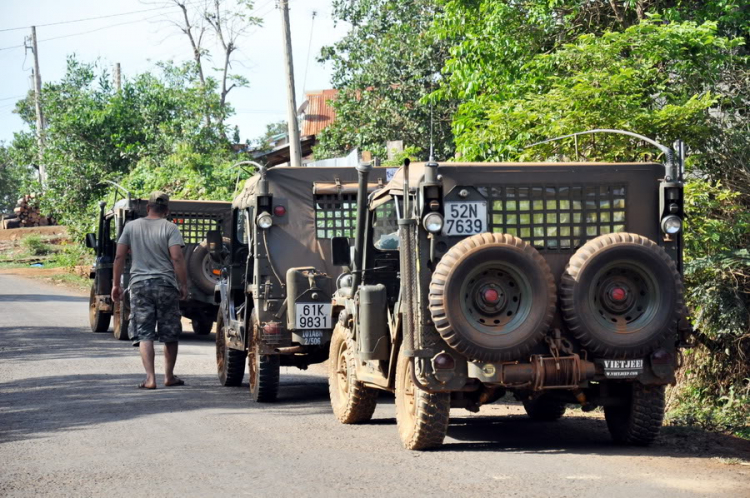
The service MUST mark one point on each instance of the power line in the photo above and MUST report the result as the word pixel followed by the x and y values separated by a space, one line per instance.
pixel 309 49
pixel 9 98
pixel 91 18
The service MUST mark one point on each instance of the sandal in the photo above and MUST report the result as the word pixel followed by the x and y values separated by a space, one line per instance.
pixel 177 382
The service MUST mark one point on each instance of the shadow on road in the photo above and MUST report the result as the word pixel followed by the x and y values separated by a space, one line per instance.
pixel 582 435
pixel 42 298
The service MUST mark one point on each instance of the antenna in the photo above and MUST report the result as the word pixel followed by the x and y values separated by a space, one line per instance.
pixel 432 138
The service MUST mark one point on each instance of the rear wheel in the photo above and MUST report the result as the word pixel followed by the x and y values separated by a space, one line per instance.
pixel 230 363
pixel 422 417
pixel 351 401
pixel 544 408
pixel 120 328
pixel 99 320
pixel 203 271
pixel 262 371
pixel 638 421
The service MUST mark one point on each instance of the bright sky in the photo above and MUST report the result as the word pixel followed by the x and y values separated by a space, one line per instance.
pixel 137 40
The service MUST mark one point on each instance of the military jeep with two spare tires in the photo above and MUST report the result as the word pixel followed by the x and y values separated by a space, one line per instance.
pixel 557 282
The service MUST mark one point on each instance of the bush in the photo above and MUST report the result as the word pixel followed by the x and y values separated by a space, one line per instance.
pixel 35 246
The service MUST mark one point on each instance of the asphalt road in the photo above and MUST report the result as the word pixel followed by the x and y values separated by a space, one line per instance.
pixel 73 423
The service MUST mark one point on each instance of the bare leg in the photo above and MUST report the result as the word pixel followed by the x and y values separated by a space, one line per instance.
pixel 147 356
pixel 170 358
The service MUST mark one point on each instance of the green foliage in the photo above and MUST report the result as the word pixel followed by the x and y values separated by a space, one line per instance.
pixel 36 246
pixel 12 180
pixel 265 142
pixel 383 69
pixel 153 134
pixel 650 78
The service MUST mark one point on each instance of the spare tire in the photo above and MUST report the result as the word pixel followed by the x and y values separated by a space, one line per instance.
pixel 621 296
pixel 492 297
pixel 200 267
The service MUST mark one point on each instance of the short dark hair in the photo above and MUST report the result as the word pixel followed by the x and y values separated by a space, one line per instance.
pixel 158 208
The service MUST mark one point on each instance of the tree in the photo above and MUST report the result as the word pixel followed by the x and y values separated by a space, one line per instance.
pixel 152 134
pixel 383 68
pixel 264 143
pixel 225 21
pixel 13 179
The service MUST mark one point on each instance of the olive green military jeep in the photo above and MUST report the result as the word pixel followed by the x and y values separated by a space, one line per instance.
pixel 557 282
pixel 194 219
pixel 277 280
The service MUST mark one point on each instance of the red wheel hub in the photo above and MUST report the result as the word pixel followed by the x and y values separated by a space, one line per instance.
pixel 491 296
pixel 618 294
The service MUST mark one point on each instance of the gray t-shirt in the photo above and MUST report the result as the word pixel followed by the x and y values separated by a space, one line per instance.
pixel 149 240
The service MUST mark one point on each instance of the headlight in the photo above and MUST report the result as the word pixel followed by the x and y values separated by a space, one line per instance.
pixel 265 220
pixel 433 222
pixel 671 224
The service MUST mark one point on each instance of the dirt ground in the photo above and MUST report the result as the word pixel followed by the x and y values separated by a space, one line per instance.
pixel 20 233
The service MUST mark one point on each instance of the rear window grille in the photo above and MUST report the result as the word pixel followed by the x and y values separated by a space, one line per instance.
pixel 193 226
pixel 335 215
pixel 559 217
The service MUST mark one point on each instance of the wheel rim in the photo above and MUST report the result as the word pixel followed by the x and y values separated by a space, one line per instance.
pixel 208 266
pixel 496 298
pixel 625 297
pixel 342 373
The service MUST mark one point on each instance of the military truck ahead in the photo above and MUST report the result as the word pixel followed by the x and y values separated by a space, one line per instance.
pixel 276 285
pixel 557 282
pixel 194 219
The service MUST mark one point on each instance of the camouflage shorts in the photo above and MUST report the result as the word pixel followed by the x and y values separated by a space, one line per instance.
pixel 154 312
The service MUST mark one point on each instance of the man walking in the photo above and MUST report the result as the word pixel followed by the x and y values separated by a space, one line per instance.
pixel 156 253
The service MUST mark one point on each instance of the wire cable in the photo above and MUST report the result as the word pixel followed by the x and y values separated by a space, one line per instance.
pixel 90 18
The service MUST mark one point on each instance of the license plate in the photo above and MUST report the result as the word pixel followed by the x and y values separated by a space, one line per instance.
pixel 313 316
pixel 622 369
pixel 312 337
pixel 465 218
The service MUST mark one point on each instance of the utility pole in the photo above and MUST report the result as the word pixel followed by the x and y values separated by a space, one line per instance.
pixel 118 77
pixel 39 115
pixel 295 159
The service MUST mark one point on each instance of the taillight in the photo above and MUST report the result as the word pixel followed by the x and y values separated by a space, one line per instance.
pixel 279 210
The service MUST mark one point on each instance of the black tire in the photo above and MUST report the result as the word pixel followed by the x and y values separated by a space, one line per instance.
pixel 638 421
pixel 262 371
pixel 422 417
pixel 98 320
pixel 230 363
pixel 202 326
pixel 352 402
pixel 121 324
pixel 649 290
pixel 544 408
pixel 200 267
pixel 524 303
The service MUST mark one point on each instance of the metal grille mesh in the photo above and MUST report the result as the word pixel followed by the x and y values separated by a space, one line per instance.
pixel 193 226
pixel 556 217
pixel 335 215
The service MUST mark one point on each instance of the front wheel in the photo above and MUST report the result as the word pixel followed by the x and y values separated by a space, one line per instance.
pixel 544 408
pixel 98 320
pixel 639 419
pixel 351 401
pixel 422 417
pixel 202 326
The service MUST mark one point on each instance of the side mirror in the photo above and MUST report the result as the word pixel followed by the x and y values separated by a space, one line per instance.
pixel 91 240
pixel 340 251
pixel 215 245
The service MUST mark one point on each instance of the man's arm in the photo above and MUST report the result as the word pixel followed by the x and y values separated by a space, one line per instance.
pixel 178 261
pixel 120 256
